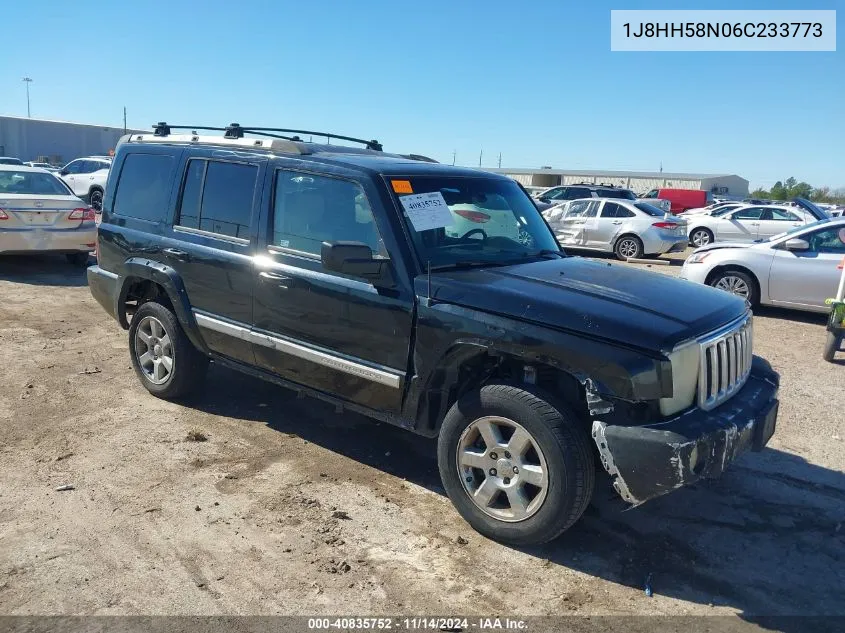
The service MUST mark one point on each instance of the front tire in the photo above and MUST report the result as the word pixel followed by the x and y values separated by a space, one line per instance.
pixel 831 346
pixel 164 359
pixel 737 283
pixel 518 468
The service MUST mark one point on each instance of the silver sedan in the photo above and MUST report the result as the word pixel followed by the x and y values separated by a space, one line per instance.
pixel 39 214
pixel 796 269
pixel 627 228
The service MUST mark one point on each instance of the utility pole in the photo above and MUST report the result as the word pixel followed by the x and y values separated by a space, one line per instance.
pixel 661 166
pixel 454 153
pixel 500 160
pixel 479 156
pixel 27 81
pixel 124 119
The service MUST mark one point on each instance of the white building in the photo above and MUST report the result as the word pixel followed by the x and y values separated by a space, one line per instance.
pixel 639 182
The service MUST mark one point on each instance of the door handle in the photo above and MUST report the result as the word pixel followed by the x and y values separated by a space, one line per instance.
pixel 176 254
pixel 280 280
pixel 617 222
pixel 755 224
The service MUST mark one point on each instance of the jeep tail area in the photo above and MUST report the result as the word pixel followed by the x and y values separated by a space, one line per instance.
pixel 434 298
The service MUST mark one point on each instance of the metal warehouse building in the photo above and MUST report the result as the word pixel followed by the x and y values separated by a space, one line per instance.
pixel 55 142
pixel 639 182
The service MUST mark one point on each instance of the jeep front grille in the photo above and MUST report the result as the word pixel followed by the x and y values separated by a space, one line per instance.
pixel 725 363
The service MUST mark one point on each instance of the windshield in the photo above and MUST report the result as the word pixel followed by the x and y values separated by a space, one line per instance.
pixel 802 227
pixel 623 194
pixel 485 221
pixel 32 182
pixel 645 207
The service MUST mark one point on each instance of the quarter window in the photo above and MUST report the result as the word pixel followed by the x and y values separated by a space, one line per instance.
pixel 143 190
pixel 784 215
pixel 309 209
pixel 217 197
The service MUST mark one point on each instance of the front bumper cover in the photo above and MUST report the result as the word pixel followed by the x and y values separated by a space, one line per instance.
pixel 651 460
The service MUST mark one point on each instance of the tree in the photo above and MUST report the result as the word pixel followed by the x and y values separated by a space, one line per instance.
pixel 778 191
pixel 760 193
pixel 822 194
pixel 800 190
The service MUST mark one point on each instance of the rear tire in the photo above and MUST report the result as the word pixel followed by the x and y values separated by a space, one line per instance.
pixel 95 199
pixel 701 237
pixel 530 479
pixel 78 259
pixel 628 247
pixel 165 360
pixel 831 346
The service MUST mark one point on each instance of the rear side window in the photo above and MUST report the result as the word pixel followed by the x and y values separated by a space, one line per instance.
pixel 576 193
pixel 217 197
pixel 613 210
pixel 143 189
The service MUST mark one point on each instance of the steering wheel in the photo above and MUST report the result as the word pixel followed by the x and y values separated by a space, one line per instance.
pixel 481 232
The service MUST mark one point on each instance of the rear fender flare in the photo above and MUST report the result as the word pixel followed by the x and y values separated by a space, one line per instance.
pixel 169 279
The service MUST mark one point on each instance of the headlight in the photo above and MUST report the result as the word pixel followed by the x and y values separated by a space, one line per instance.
pixel 685 362
pixel 697 258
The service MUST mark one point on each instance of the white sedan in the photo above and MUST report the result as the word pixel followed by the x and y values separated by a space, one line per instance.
pixel 39 214
pixel 627 228
pixel 746 224
pixel 796 269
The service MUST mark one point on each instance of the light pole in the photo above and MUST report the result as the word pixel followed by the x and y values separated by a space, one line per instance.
pixel 27 81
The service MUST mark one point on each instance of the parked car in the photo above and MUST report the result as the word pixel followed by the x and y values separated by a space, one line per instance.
pixel 46 166
pixel 718 208
pixel 39 214
pixel 629 229
pixel 557 195
pixel 680 200
pixel 745 224
pixel 528 366
pixel 8 160
pixel 794 269
pixel 87 178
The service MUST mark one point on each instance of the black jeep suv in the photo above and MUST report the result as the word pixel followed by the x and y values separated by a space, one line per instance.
pixel 434 298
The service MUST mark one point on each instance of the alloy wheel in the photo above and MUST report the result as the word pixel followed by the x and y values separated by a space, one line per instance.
pixel 628 248
pixel 733 284
pixel 700 238
pixel 502 468
pixel 154 350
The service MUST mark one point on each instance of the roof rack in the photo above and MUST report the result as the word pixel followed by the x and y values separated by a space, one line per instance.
pixel 236 130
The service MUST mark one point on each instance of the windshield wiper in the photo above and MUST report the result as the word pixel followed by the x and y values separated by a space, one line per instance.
pixel 547 251
pixel 466 263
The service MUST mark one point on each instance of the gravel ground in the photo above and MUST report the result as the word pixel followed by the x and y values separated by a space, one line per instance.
pixel 245 500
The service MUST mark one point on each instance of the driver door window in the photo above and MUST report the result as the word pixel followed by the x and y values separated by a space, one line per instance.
pixel 309 209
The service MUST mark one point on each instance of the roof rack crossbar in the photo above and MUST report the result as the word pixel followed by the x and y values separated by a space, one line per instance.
pixel 372 144
pixel 236 130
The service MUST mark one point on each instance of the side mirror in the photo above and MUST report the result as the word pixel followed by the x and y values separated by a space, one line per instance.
pixel 355 259
pixel 63 172
pixel 796 244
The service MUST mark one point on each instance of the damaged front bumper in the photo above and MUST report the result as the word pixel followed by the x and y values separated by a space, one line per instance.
pixel 651 460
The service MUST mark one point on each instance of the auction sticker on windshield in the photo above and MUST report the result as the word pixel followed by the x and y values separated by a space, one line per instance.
pixel 427 211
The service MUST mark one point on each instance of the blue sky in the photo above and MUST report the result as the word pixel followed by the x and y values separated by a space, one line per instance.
pixel 534 80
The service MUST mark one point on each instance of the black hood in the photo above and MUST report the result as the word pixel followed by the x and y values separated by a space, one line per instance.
pixel 615 302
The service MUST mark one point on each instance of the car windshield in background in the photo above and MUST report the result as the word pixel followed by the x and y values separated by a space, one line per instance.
pixel 645 207
pixel 622 194
pixel 31 182
pixel 488 222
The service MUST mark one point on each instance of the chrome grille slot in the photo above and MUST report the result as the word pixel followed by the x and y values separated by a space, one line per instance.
pixel 725 363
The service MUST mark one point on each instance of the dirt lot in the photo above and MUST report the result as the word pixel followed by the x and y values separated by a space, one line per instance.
pixel 289 508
